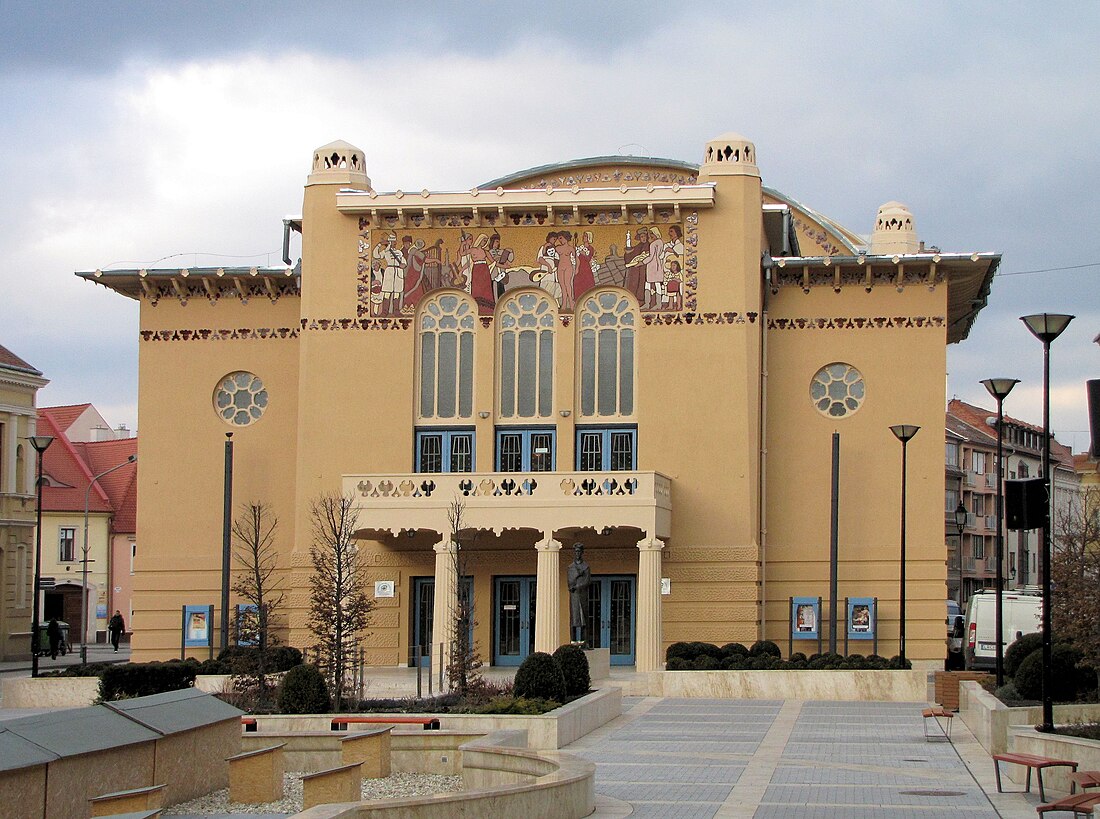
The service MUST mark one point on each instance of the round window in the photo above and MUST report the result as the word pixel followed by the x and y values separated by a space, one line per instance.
pixel 837 390
pixel 240 399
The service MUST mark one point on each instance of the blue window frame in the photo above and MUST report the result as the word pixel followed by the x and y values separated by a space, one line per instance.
pixel 526 449
pixel 607 449
pixel 444 450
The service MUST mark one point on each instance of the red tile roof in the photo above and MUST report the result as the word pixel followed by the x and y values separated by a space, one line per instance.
pixel 12 361
pixel 63 417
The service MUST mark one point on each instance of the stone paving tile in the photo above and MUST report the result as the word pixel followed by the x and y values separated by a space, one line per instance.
pixel 653 772
pixel 860 812
pixel 857 775
pixel 875 795
pixel 671 810
pixel 665 792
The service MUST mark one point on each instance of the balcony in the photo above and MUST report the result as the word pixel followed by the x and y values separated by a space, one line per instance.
pixel 543 501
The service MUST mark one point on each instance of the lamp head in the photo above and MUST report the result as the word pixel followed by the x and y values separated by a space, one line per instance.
pixel 41 442
pixel 904 432
pixel 1047 326
pixel 999 388
pixel 960 518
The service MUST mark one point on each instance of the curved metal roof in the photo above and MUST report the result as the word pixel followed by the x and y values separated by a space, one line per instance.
pixel 591 162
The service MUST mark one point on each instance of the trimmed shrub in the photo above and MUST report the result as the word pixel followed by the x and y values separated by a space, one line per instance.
pixel 516 705
pixel 540 677
pixel 679 651
pixel 706 663
pixel 89 670
pixel 764 648
pixel 118 682
pixel 1066 676
pixel 706 650
pixel 679 664
pixel 798 657
pixel 734 650
pixel 304 691
pixel 245 660
pixel 897 664
pixel 737 662
pixel 1018 651
pixel 574 666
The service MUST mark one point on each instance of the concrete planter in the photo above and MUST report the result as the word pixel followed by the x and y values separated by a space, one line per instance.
pixel 991 721
pixel 887 686
pixel 1086 752
pixel 49 692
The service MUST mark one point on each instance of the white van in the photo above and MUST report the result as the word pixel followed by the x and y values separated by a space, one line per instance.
pixel 1021 612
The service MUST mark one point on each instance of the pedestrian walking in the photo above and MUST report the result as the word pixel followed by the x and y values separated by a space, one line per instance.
pixel 53 633
pixel 115 626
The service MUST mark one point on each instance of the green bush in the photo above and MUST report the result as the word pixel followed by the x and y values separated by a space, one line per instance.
pixel 737 662
pixel 1015 653
pixel 705 650
pixel 516 705
pixel 574 665
pixel 679 664
pixel 245 660
pixel 119 682
pixel 304 691
pixel 540 677
pixel 896 663
pixel 1067 678
pixel 706 663
pixel 88 670
pixel 734 650
pixel 764 648
pixel 679 651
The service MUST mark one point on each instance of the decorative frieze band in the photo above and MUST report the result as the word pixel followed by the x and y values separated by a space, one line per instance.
pixel 209 334
pixel 856 323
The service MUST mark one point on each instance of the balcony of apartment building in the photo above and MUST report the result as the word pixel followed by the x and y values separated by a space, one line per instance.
pixel 536 510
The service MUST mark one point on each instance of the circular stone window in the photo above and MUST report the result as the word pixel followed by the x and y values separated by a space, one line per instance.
pixel 240 399
pixel 837 390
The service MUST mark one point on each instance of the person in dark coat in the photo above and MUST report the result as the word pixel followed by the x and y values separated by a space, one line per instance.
pixel 115 626
pixel 53 633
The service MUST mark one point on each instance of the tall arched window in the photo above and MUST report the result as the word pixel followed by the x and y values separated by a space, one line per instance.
pixel 607 322
pixel 446 330
pixel 527 356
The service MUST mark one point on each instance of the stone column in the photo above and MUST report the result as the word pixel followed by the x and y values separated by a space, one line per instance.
pixel 444 602
pixel 548 597
pixel 648 648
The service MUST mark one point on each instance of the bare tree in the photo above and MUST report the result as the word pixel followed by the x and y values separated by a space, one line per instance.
pixel 464 666
pixel 1075 575
pixel 339 607
pixel 256 581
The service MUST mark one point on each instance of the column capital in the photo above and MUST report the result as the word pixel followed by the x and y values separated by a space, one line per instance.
pixel 651 545
pixel 445 547
pixel 548 545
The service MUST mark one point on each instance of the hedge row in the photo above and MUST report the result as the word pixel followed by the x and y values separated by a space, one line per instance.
pixel 764 655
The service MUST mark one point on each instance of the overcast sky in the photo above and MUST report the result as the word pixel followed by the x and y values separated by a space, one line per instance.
pixel 168 135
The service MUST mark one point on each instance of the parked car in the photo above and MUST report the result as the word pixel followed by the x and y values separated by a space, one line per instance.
pixel 1022 613
pixel 955 631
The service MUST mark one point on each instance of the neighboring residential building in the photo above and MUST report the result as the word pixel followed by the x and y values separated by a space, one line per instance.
pixel 19 385
pixel 643 355
pixel 69 467
pixel 1023 454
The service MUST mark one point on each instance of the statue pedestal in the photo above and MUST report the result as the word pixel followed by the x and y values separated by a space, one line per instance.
pixel 599 663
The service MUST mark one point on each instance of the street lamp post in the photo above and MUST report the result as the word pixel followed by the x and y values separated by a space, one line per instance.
pixel 40 443
pixel 960 525
pixel 999 388
pixel 903 432
pixel 84 571
pixel 1046 327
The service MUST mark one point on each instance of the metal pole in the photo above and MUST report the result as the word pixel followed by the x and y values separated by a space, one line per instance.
pixel 227 531
pixel 1048 676
pixel 1000 546
pixel 901 630
pixel 834 537
pixel 36 610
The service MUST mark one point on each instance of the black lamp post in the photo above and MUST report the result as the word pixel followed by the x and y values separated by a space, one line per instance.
pixel 227 537
pixel 999 388
pixel 960 525
pixel 40 443
pixel 903 432
pixel 1046 327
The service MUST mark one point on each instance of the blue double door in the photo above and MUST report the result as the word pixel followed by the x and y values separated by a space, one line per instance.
pixel 611 610
pixel 423 617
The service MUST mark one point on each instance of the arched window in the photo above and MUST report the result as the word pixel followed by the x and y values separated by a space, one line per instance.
pixel 446 329
pixel 527 356
pixel 607 322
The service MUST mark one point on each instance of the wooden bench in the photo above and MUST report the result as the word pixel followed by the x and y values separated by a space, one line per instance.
pixel 335 785
pixel 130 801
pixel 1081 804
pixel 1031 762
pixel 256 776
pixel 1084 780
pixel 941 718
pixel 249 724
pixel 429 723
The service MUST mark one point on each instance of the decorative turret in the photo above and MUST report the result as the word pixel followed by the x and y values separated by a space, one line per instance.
pixel 730 155
pixel 894 231
pixel 339 163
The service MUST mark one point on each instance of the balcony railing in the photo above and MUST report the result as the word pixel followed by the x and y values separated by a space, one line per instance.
pixel 514 500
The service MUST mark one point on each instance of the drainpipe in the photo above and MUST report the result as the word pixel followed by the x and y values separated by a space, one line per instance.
pixel 763 483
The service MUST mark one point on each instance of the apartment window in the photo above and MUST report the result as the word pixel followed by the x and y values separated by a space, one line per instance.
pixel 977 543
pixel 133 556
pixel 1022 470
pixel 606 355
pixel 951 454
pixel 951 500
pixel 607 449
pixel 444 450
pixel 446 349
pixel 525 450
pixel 66 544
pixel 979 462
pixel 527 356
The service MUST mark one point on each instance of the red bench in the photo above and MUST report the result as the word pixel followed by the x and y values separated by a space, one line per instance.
pixel 249 724
pixel 1081 804
pixel 1084 780
pixel 1031 762
pixel 942 718
pixel 429 723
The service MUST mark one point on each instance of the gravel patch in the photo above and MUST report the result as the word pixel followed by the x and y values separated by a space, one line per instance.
pixel 395 786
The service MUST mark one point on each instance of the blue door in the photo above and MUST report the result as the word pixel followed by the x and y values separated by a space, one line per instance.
pixel 513 619
pixel 423 615
pixel 611 601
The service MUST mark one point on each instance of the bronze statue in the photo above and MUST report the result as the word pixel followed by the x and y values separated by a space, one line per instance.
pixel 579 577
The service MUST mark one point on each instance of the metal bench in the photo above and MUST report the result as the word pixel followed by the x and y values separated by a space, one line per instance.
pixel 1031 762
pixel 429 723
pixel 941 718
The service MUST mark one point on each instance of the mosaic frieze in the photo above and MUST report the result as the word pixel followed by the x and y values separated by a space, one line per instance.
pixel 611 177
pixel 208 334
pixel 857 323
pixel 646 252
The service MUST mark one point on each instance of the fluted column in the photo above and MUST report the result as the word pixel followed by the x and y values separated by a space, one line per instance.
pixel 648 648
pixel 548 597
pixel 444 602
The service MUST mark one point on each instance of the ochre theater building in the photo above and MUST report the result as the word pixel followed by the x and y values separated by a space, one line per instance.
pixel 643 355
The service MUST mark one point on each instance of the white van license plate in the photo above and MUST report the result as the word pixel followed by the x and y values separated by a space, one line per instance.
pixel 987 646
